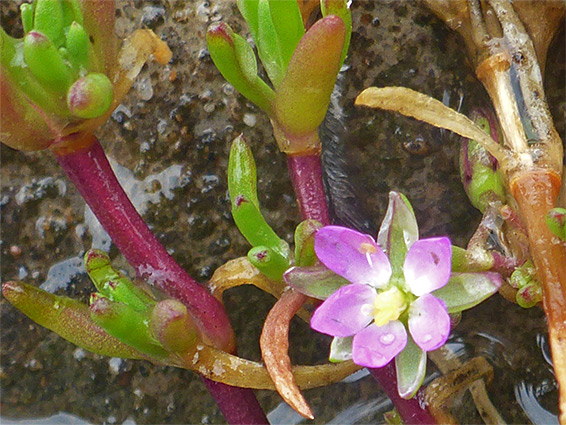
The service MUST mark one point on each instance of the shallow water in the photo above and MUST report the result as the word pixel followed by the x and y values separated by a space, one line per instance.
pixel 170 140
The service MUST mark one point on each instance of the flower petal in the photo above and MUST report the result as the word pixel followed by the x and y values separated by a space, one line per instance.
pixel 429 322
pixel 342 314
pixel 428 265
pixel 376 346
pixel 352 255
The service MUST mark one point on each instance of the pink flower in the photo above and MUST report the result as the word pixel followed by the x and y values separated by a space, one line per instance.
pixel 381 303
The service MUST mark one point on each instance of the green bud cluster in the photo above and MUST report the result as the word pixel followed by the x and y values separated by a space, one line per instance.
pixel 133 316
pixel 478 169
pixel 59 59
pixel 529 291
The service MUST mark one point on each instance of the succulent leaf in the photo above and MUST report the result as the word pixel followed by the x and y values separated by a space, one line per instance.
pixel 126 324
pixel 288 24
pixel 114 285
pixel 236 62
pixel 68 318
pixel 304 94
pixel 339 8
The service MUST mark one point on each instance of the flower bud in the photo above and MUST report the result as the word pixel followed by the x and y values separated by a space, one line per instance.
pixel 171 325
pixel 90 96
pixel 556 222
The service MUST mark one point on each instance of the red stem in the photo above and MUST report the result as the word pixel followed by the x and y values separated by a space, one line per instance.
pixel 306 176
pixel 89 170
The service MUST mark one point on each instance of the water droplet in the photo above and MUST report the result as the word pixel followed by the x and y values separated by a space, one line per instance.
pixel 387 339
pixel 427 338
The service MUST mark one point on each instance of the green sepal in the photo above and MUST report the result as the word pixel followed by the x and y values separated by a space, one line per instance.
pixel 235 60
pixel 126 324
pixel 304 94
pixel 268 46
pixel 112 284
pixel 315 281
pixel 171 325
pixel 556 222
pixel 269 262
pixel 242 174
pixel 398 230
pixel 68 318
pixel 340 349
pixel 288 24
pixel 304 242
pixel 44 62
pixel 78 46
pixel 470 261
pixel 49 20
pixel 410 365
pixel 466 290
pixel 339 8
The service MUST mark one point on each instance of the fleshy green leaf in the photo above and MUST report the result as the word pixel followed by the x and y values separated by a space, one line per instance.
pixel 411 368
pixel 288 24
pixel 242 175
pixel 304 242
pixel 44 61
pixel 315 281
pixel 268 45
pixel 341 349
pixel 236 62
pixel 254 228
pixel 304 94
pixel 78 46
pixel 48 19
pixel 339 8
pixel 398 230
pixel 242 187
pixel 248 9
pixel 114 285
pixel 466 290
pixel 126 324
pixel 269 262
pixel 68 318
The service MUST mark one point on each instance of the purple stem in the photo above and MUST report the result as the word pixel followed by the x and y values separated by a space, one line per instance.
pixel 91 173
pixel 306 176
pixel 412 411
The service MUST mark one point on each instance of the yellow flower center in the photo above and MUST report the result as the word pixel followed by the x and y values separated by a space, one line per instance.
pixel 388 306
